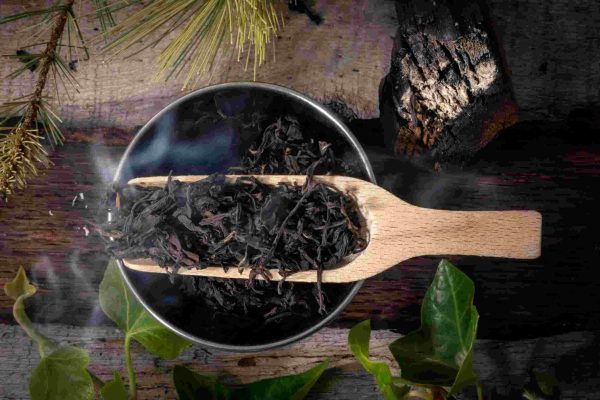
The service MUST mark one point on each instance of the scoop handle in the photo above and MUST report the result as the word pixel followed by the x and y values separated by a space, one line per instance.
pixel 506 234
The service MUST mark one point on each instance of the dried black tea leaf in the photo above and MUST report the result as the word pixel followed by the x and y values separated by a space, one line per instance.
pixel 284 149
pixel 246 224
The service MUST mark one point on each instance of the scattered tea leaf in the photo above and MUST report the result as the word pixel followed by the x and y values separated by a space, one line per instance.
pixel 190 386
pixel 358 340
pixel 440 352
pixel 119 304
pixel 62 375
pixel 114 389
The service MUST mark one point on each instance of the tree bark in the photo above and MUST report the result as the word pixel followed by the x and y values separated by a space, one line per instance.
pixel 445 94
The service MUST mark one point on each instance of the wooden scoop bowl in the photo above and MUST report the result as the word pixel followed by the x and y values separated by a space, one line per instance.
pixel 397 231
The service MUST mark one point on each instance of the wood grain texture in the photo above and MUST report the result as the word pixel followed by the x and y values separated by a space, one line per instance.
pixel 503 367
pixel 397 231
pixel 551 53
pixel 122 92
pixel 531 166
pixel 539 166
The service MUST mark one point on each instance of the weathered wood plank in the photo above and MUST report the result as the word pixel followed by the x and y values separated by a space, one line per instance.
pixel 551 52
pixel 535 167
pixel 346 67
pixel 502 366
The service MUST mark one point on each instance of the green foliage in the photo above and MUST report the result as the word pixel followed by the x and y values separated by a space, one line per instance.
pixel 121 306
pixel 62 375
pixel 197 29
pixel 546 383
pixel 114 389
pixel 190 385
pixel 440 353
pixel 435 360
pixel 21 148
pixel 358 340
pixel 19 287
pixel 543 386
pixel 61 372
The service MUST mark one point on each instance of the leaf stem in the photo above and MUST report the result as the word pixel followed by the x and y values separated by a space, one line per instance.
pixel 44 343
pixel 479 387
pixel 98 383
pixel 130 372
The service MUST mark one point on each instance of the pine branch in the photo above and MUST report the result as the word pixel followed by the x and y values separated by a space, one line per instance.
pixel 21 149
pixel 202 27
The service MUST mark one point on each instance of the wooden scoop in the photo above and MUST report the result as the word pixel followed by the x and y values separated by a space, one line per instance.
pixel 397 231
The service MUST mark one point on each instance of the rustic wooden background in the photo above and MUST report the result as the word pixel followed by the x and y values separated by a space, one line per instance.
pixel 541 314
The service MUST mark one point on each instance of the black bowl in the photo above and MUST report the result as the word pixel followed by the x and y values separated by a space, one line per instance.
pixel 206 132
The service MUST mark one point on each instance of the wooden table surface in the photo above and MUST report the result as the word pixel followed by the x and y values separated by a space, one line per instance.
pixel 539 314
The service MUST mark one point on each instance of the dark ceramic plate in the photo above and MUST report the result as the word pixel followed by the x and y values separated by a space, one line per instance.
pixel 205 132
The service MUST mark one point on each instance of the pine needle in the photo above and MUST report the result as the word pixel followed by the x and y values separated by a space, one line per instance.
pixel 250 25
pixel 29 62
pixel 32 13
pixel 104 14
pixel 21 149
pixel 48 119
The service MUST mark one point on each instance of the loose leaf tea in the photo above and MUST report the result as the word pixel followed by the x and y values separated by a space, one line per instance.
pixel 283 149
pixel 247 225
pixel 244 224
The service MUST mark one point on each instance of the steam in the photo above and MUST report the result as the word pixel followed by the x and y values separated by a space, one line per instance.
pixel 164 150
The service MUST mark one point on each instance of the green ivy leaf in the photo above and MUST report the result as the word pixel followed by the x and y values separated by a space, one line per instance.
pixel 19 286
pixel 190 386
pixel 542 386
pixel 119 304
pixel 294 387
pixel 440 352
pixel 358 340
pixel 546 382
pixel 114 389
pixel 62 375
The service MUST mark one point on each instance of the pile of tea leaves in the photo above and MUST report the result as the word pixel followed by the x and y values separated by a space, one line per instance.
pixel 245 224
pixel 283 149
